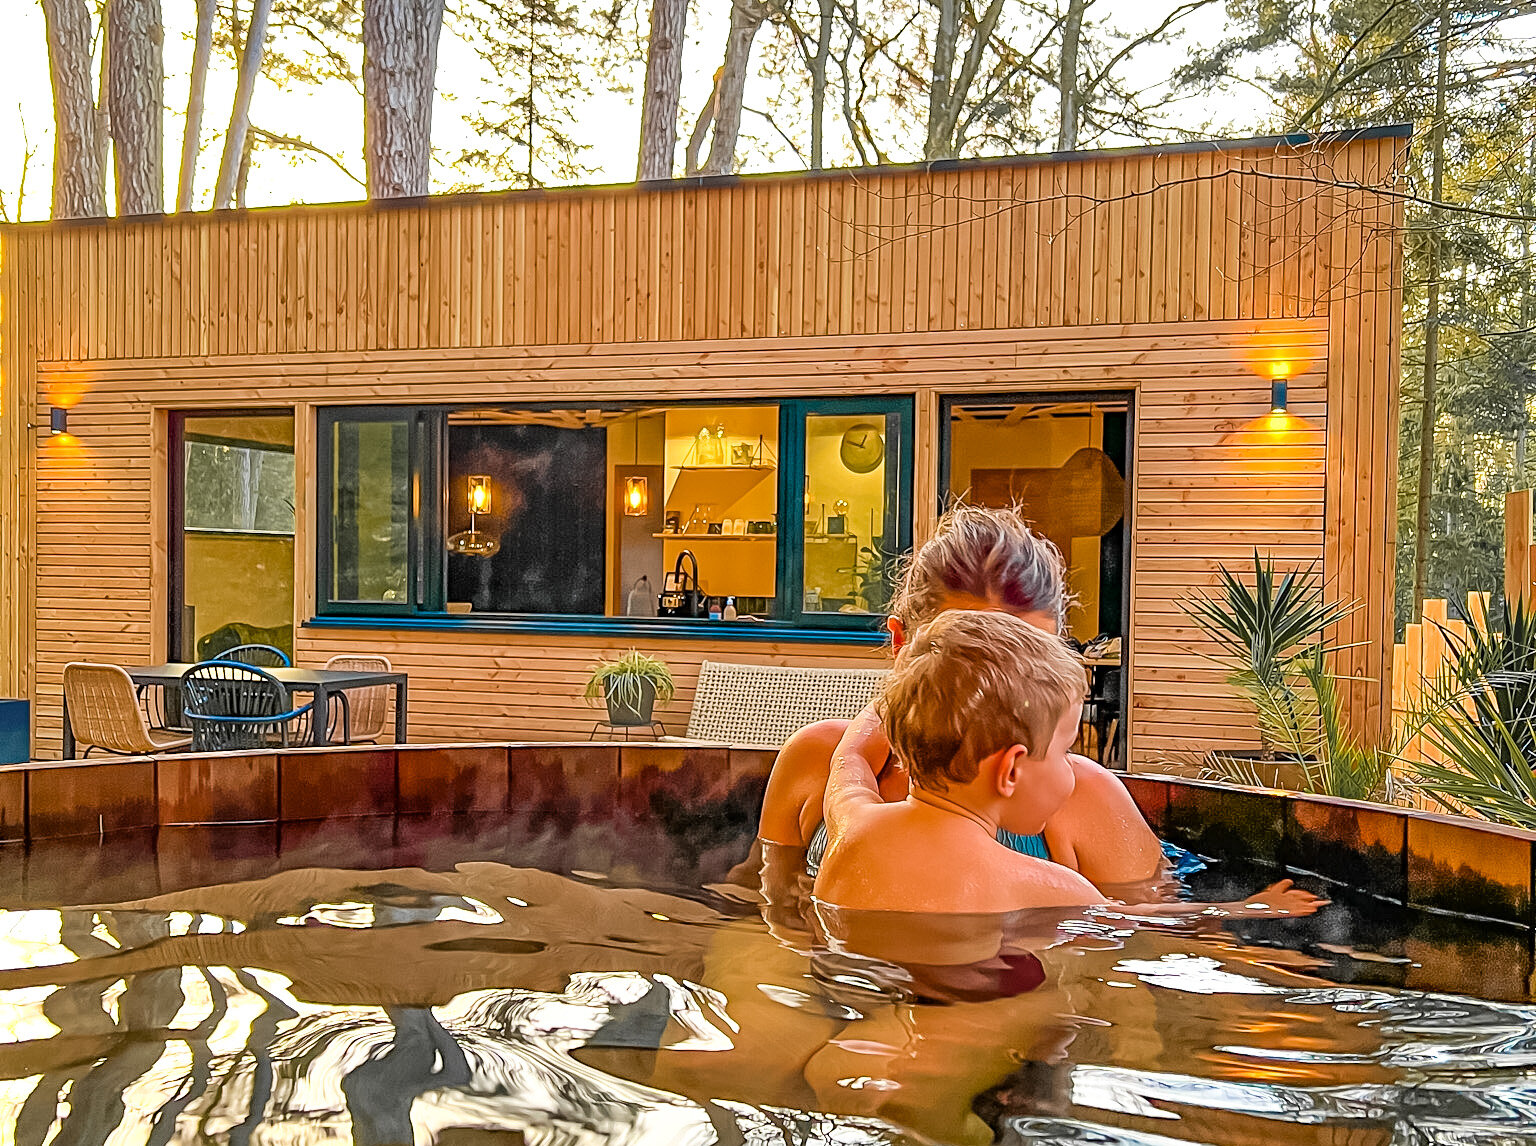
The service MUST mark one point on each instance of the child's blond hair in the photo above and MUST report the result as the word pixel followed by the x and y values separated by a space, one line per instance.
pixel 972 682
pixel 989 554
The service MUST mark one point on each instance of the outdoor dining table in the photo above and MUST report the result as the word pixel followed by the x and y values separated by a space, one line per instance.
pixel 323 683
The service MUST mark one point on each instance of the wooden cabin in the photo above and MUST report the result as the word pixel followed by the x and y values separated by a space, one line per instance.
pixel 310 426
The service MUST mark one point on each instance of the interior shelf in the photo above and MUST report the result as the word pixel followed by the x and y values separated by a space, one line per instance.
pixel 726 469
pixel 690 537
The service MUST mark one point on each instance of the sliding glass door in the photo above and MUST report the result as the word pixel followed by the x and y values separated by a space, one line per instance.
pixel 232 532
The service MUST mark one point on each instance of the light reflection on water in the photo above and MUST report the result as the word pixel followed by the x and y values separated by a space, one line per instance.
pixel 383 1007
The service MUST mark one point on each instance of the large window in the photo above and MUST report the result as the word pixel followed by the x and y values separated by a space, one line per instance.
pixel 786 513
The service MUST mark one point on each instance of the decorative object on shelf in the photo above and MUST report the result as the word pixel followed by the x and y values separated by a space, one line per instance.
pixel 472 542
pixel 862 448
pixel 837 524
pixel 637 497
pixel 744 454
pixel 716 527
pixel 674 521
pixel 759 528
pixel 701 519
pixel 630 686
pixel 709 446
pixel 680 593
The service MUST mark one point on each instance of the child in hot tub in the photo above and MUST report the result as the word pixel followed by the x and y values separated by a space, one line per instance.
pixel 981 709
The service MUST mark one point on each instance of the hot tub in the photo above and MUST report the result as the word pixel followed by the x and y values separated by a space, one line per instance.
pixel 549 944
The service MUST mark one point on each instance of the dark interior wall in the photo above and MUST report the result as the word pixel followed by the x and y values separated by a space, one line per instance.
pixel 548 502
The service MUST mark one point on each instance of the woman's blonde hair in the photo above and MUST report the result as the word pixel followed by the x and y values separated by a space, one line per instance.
pixel 970 683
pixel 989 554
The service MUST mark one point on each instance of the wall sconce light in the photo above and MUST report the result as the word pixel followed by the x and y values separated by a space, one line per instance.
pixel 58 420
pixel 472 542
pixel 1277 397
pixel 637 497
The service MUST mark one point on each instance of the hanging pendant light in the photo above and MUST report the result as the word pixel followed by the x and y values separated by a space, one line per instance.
pixel 637 497
pixel 472 542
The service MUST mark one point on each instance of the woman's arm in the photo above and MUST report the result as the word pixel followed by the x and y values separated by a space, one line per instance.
pixel 792 803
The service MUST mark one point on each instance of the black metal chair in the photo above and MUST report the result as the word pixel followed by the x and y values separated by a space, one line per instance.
pixel 1102 710
pixel 262 656
pixel 233 706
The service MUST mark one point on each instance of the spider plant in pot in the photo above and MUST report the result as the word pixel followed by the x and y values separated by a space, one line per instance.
pixel 631 686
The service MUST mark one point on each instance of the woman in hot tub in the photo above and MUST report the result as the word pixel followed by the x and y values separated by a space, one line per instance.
pixel 977 559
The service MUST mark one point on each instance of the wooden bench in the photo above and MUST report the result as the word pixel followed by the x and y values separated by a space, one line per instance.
pixel 766 704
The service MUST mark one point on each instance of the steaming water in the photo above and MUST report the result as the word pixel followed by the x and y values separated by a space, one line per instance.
pixel 488 1002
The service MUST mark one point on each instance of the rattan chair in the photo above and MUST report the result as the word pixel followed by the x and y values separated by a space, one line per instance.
pixel 367 709
pixel 104 713
pixel 233 706
pixel 262 656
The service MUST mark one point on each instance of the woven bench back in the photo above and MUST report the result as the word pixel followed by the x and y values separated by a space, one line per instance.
pixel 766 704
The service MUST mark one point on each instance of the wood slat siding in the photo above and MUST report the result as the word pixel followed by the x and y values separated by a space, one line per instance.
pixel 1171 274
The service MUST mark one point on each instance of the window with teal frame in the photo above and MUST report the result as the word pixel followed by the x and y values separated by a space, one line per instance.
pixel 756 520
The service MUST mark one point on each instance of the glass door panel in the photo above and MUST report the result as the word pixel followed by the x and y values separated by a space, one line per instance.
pixel 850 527
pixel 233 545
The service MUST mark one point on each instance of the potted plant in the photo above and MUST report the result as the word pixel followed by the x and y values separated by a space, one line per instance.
pixel 1271 640
pixel 631 686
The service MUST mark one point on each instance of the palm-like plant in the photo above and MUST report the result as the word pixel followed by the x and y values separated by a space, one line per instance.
pixel 1266 632
pixel 1477 724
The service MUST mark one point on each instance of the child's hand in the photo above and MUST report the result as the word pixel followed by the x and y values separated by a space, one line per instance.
pixel 1281 899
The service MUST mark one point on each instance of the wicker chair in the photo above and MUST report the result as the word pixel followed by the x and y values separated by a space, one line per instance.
pixel 104 713
pixel 262 656
pixel 367 709
pixel 233 706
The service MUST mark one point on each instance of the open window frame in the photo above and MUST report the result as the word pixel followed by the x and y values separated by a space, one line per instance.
pixel 424 603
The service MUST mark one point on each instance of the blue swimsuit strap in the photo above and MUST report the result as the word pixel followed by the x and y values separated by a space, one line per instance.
pixel 1024 845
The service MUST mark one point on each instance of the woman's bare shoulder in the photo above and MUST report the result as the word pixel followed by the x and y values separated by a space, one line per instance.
pixel 799 776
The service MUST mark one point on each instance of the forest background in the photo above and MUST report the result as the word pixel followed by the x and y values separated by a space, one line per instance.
pixel 146 106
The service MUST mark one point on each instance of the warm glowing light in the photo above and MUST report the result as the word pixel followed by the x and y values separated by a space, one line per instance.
pixel 479 493
pixel 1279 369
pixel 637 497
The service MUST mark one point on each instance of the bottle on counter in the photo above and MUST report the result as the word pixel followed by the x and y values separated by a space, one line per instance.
pixel 729 612
pixel 714 608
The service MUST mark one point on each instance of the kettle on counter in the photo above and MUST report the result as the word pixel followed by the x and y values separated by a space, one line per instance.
pixel 680 593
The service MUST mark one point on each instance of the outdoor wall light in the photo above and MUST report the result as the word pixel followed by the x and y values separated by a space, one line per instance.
pixel 58 420
pixel 637 497
pixel 1277 397
pixel 472 542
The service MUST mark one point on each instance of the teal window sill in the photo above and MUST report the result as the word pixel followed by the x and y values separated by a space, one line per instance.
pixel 609 627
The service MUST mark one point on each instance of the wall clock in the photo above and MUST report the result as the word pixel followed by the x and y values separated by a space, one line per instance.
pixel 862 449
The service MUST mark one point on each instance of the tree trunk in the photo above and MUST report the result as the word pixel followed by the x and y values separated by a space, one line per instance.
pixel 235 151
pixel 946 97
pixel 701 128
pixel 663 88
pixel 191 136
pixel 79 185
pixel 399 76
pixel 1067 77
pixel 136 101
pixel 941 132
pixel 1431 322
pixel 819 83
pixel 746 18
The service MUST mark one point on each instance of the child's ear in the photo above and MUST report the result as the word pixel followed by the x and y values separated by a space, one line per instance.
pixel 1009 769
pixel 898 632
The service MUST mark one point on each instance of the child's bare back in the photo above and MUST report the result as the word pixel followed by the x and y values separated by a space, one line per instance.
pixel 905 856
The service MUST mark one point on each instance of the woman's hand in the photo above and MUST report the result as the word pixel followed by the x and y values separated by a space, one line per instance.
pixel 1279 900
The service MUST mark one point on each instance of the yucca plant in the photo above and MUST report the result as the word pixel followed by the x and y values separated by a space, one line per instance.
pixel 1265 631
pixel 1477 722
